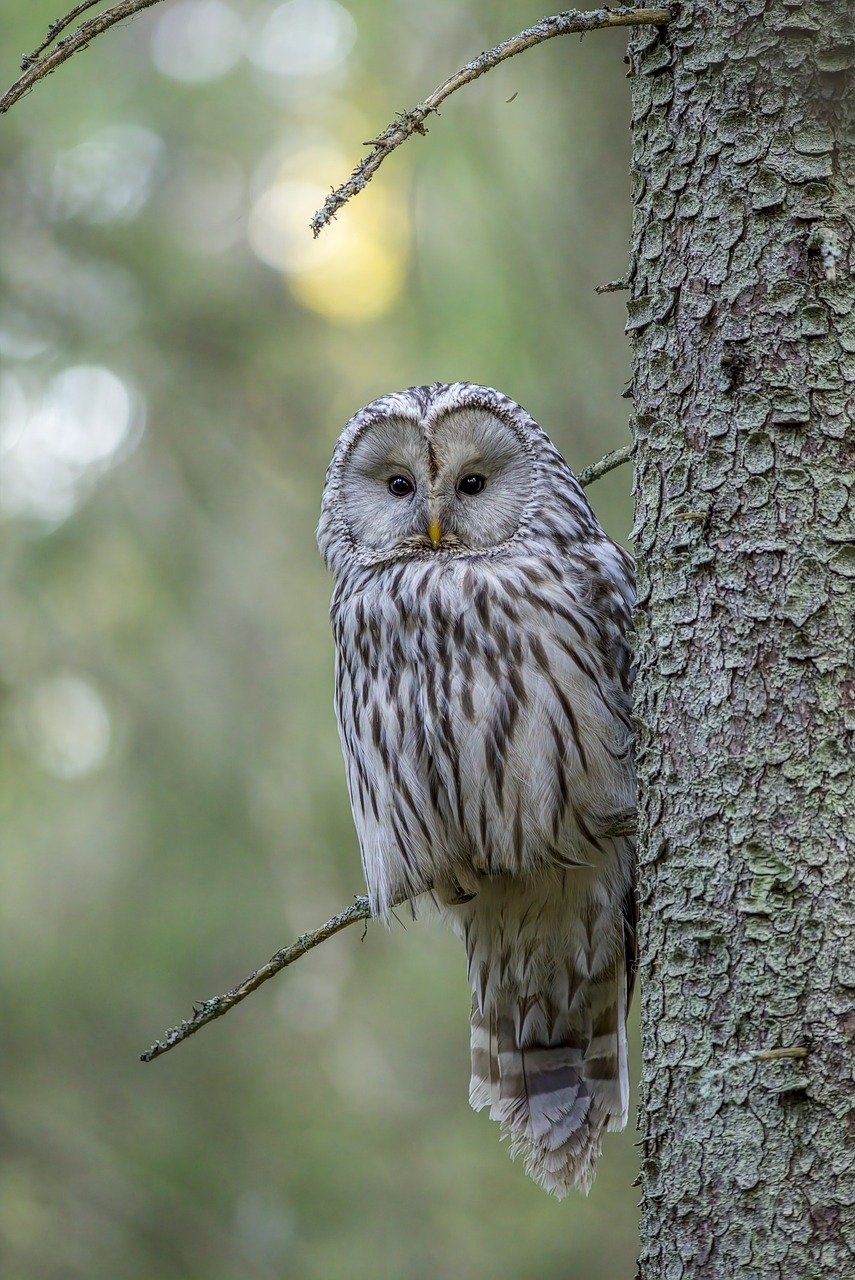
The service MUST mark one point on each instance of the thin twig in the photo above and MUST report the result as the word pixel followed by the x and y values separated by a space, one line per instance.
pixel 790 1051
pixel 208 1010
pixel 410 122
pixel 54 29
pixel 727 1065
pixel 79 39
pixel 612 286
pixel 616 458
pixel 623 825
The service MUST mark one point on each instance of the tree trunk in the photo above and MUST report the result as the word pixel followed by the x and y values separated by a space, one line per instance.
pixel 742 315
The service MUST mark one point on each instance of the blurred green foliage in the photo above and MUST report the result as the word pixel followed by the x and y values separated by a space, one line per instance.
pixel 178 358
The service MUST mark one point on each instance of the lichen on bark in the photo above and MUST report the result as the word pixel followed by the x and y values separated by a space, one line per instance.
pixel 742 319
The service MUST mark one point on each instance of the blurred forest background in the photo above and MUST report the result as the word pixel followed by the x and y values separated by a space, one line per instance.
pixel 178 357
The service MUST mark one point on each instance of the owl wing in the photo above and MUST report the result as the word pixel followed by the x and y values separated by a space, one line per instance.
pixel 393 785
pixel 527 709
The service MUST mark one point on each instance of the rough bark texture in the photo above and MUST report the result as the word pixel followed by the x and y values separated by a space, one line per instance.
pixel 742 315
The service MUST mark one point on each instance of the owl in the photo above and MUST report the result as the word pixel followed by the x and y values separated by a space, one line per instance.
pixel 483 682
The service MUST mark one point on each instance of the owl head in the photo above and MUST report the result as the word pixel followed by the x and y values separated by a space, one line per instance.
pixel 441 471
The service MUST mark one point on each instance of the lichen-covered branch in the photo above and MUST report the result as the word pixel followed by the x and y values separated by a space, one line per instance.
pixel 54 29
pixel 38 64
pixel 208 1010
pixel 411 122
pixel 612 286
pixel 616 458
pixel 623 824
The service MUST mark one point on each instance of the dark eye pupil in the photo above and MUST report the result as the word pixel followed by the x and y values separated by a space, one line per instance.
pixel 471 485
pixel 400 486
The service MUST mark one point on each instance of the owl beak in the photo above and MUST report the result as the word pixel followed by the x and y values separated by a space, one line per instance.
pixel 434 533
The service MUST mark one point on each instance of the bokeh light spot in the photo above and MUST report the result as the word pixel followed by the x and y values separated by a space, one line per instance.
pixel 197 40
pixel 56 440
pixel 65 725
pixel 109 176
pixel 302 38
pixel 357 269
pixel 21 337
pixel 364 279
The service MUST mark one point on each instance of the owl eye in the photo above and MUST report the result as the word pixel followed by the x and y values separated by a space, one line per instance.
pixel 470 485
pixel 400 486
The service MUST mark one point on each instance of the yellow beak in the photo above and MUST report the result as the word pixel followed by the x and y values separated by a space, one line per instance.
pixel 434 532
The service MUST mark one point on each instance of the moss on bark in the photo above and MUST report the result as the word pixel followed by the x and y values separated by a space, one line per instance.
pixel 742 318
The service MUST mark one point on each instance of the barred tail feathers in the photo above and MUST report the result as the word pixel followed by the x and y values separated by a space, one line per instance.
pixel 555 1078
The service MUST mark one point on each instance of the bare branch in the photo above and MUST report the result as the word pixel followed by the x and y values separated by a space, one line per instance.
pixel 597 470
pixel 218 1005
pixel 771 1055
pixel 623 824
pixel 54 29
pixel 612 286
pixel 411 122
pixel 37 67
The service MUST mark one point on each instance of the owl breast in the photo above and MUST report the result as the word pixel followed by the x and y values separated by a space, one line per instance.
pixel 483 708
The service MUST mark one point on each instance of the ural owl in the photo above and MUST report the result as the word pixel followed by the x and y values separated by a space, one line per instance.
pixel 483 685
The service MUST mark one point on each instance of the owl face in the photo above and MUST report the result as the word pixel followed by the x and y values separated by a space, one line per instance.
pixel 421 475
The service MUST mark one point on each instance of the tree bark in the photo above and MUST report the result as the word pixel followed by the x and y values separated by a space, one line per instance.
pixel 742 316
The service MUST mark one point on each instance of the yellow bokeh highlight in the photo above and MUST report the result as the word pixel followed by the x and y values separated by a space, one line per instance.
pixel 356 270
pixel 365 275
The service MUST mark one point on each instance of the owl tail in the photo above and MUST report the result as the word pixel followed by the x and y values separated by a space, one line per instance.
pixel 555 1078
